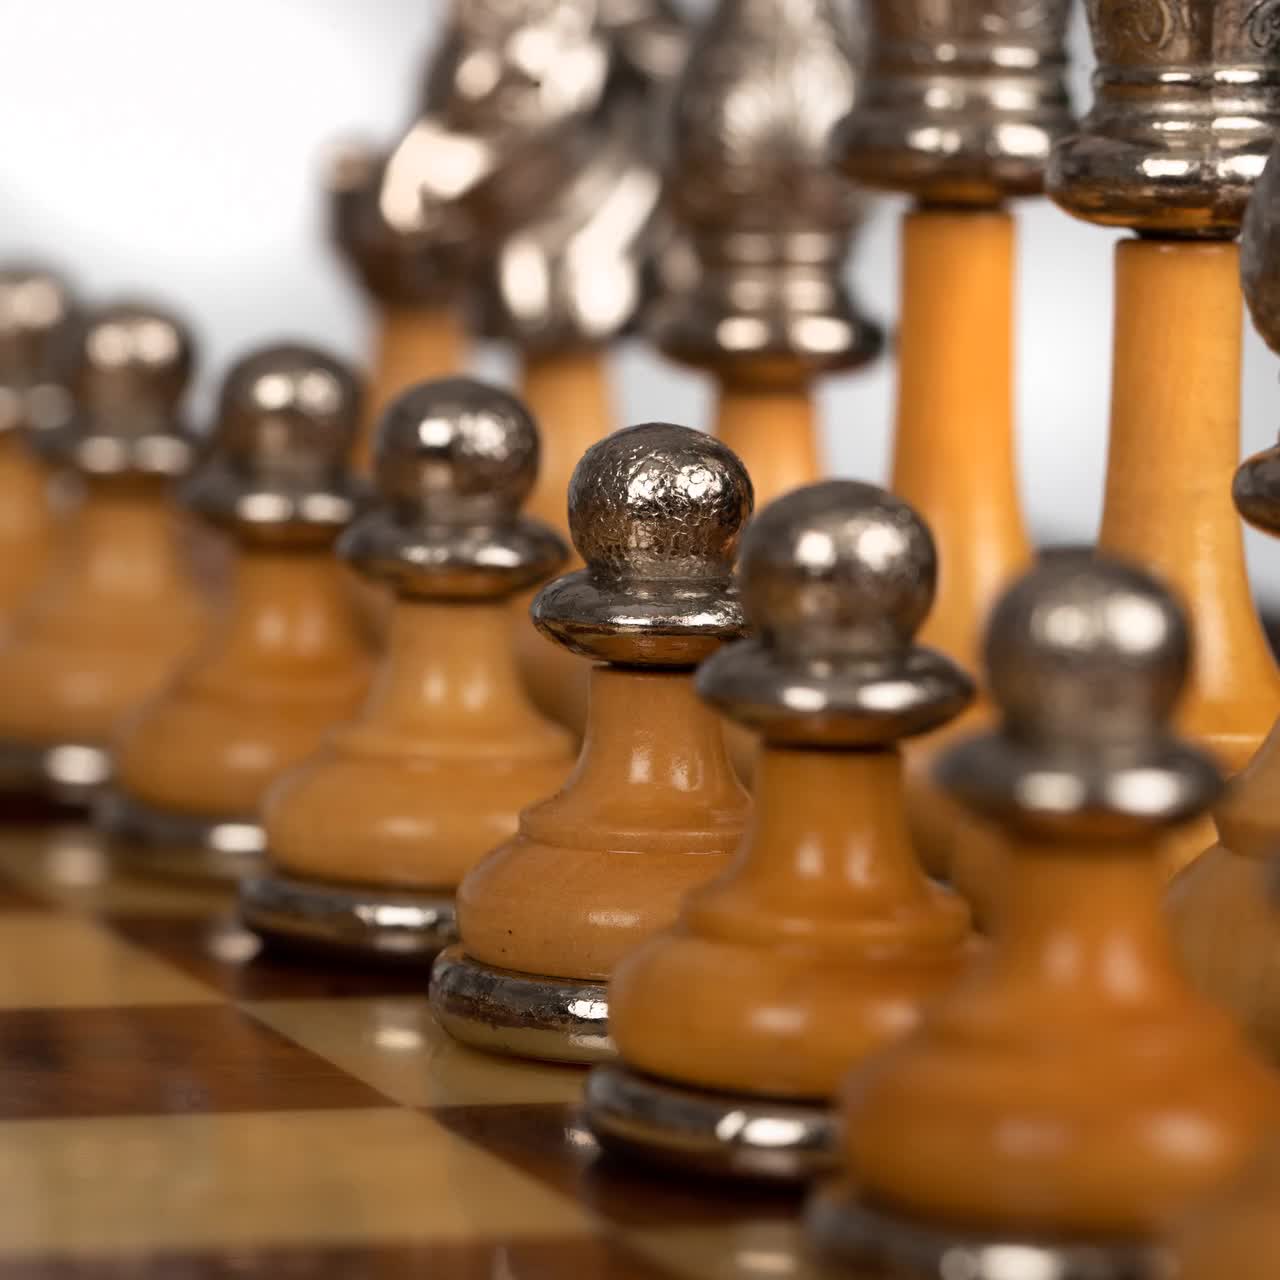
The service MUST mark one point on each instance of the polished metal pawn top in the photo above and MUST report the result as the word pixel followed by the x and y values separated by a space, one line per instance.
pixel 276 471
pixel 36 323
pixel 656 511
pixel 454 462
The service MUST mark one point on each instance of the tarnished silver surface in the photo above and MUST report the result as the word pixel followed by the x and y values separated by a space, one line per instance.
pixel 1186 105
pixel 181 845
pixel 1256 490
pixel 1260 253
pixel 454 460
pixel 751 186
pixel 275 472
pixel 640 1117
pixel 37 332
pixel 521 1014
pixel 836 578
pixel 423 266
pixel 879 1243
pixel 962 99
pixel 130 370
pixel 1085 659
pixel 71 773
pixel 656 511
pixel 357 919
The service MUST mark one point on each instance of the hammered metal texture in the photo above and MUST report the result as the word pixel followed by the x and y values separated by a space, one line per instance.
pixel 454 461
pixel 1186 104
pixel 962 99
pixel 751 185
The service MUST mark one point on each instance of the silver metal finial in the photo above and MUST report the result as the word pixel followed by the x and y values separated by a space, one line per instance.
pixel 836 579
pixel 962 99
pixel 1086 658
pixel 1256 490
pixel 1260 252
pixel 131 368
pixel 37 333
pixel 751 185
pixel 454 461
pixel 276 469
pixel 1186 104
pixel 656 511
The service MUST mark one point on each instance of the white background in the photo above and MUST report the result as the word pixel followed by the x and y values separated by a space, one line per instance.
pixel 171 148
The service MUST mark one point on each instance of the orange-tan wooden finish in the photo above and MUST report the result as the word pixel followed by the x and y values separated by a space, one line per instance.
pixel 435 769
pixel 29 524
pixel 775 433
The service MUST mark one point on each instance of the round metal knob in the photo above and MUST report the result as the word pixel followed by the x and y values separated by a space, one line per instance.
pixel 37 330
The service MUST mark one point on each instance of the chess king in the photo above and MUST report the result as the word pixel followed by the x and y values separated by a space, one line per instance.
pixel 369 837
pixel 1187 102
pixel 823 940
pixel 286 658
pixel 765 308
pixel 961 103
pixel 117 610
pixel 1076 1095
pixel 653 807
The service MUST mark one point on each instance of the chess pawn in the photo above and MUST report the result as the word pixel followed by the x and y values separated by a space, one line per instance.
pixel 963 133
pixel 287 658
pixel 117 610
pixel 770 223
pixel 1237 1237
pixel 1186 103
pixel 824 939
pixel 369 837
pixel 653 807
pixel 1075 1094
pixel 412 276
pixel 36 333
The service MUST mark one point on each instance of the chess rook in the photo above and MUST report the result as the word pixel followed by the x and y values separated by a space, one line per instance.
pixel 1108 1059
pixel 117 610
pixel 286 658
pixel 1187 102
pixel 653 807
pixel 824 940
pixel 369 837
pixel 764 308
pixel 961 103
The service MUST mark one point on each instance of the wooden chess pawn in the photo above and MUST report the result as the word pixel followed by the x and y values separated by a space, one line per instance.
pixel 963 136
pixel 1076 1094
pixel 117 610
pixel 653 807
pixel 287 658
pixel 1185 107
pixel 1237 1237
pixel 37 314
pixel 770 223
pixel 369 837
pixel 824 940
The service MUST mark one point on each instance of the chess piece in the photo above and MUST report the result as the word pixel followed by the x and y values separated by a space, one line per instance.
pixel 824 939
pixel 369 837
pixel 287 658
pixel 770 223
pixel 117 610
pixel 37 315
pixel 1237 1237
pixel 653 807
pixel 412 276
pixel 1186 103
pixel 963 133
pixel 1075 1094
pixel 1225 907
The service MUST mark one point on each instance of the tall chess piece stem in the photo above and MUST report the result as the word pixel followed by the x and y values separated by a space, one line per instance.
pixel 961 104
pixel 765 309
pixel 1187 100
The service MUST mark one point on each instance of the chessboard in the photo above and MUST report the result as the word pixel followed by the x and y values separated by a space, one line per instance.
pixel 177 1102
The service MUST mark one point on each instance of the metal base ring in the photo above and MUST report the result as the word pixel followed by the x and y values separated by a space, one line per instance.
pixel 901 1248
pixel 521 1014
pixel 702 1131
pixel 68 773
pixel 367 920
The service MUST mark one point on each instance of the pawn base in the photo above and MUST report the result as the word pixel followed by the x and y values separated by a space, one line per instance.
pixel 523 1015
pixel 717 1134
pixel 858 1235
pixel 68 773
pixel 182 845
pixel 365 920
